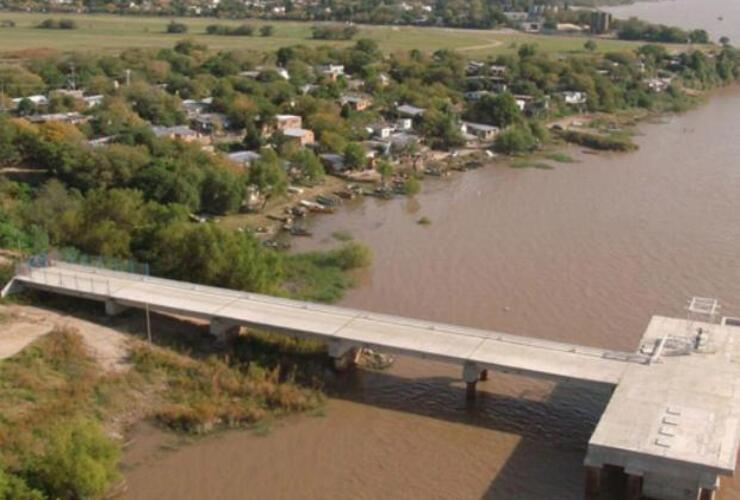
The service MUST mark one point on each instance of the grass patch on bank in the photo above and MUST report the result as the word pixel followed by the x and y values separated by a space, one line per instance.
pixel 322 276
pixel 620 142
pixel 529 163
pixel 561 158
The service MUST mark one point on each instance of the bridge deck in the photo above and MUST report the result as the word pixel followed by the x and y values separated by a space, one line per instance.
pixel 359 328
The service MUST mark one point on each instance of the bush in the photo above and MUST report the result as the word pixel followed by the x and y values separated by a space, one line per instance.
pixel 223 30
pixel 79 461
pixel 333 32
pixel 267 30
pixel 411 186
pixel 515 140
pixel 175 27
pixel 7 23
pixel 600 142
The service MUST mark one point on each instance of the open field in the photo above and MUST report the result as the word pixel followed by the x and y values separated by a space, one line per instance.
pixel 114 33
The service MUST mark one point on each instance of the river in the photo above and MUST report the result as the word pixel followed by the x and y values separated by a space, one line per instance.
pixel 718 17
pixel 585 253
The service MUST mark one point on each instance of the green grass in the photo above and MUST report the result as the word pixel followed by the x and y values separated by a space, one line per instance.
pixel 113 33
pixel 529 163
pixel 561 158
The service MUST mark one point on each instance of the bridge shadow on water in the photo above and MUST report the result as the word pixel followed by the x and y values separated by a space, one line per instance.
pixel 547 462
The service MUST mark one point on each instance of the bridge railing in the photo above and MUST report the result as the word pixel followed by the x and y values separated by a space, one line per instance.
pixel 52 278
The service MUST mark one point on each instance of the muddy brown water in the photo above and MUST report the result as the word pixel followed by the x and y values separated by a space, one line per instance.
pixel 584 253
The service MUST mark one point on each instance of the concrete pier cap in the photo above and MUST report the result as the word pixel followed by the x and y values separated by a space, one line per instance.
pixel 113 308
pixel 224 329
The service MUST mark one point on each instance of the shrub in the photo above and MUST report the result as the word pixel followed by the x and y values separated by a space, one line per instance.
pixel 267 30
pixel 175 27
pixel 79 461
pixel 411 186
pixel 58 24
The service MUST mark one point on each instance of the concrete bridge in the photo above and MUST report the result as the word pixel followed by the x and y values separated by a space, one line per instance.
pixel 672 424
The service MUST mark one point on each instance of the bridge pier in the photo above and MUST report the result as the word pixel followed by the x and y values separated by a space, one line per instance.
pixel 593 482
pixel 634 485
pixel 344 354
pixel 113 308
pixel 471 375
pixel 223 330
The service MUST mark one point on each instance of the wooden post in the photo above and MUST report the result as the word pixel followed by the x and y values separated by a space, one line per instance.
pixel 148 325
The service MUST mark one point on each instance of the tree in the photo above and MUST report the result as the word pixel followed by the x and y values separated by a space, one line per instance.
pixel 724 40
pixel 222 191
pixel 590 46
pixel 355 157
pixel 385 169
pixel 309 165
pixel 267 30
pixel 500 110
pixel 515 140
pixel 267 174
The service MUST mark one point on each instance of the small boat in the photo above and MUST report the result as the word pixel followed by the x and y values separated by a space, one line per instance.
pixel 312 206
pixel 300 231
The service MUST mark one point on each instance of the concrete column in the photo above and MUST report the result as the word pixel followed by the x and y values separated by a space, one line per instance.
pixel 706 494
pixel 634 487
pixel 471 374
pixel 114 308
pixel 345 355
pixel 223 330
pixel 593 482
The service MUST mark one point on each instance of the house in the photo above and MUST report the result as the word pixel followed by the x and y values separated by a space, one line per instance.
pixel 404 124
pixel 658 85
pixel 244 158
pixel 209 123
pixel 574 97
pixel 474 67
pixel 74 94
pixel 481 131
pixel 36 100
pixel 179 133
pixel 283 122
pixel 498 71
pixel 331 71
pixel 408 111
pixel 195 107
pixel 92 101
pixel 71 117
pixel 300 136
pixel 100 141
pixel 358 102
pixel 381 130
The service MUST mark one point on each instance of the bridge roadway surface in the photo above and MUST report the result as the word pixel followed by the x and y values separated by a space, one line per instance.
pixel 484 349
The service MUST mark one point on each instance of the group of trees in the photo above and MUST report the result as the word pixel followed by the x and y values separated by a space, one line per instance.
pixel 242 30
pixel 58 24
pixel 635 29
pixel 328 32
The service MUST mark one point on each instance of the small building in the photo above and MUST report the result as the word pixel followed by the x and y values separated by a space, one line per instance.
pixel 211 123
pixel 404 124
pixel 331 71
pixel 195 107
pixel 178 133
pixel 476 95
pixel 300 136
pixel 283 122
pixel 408 111
pixel 36 100
pixel 574 97
pixel 481 131
pixel 72 117
pixel 74 94
pixel 658 85
pixel 244 158
pixel 357 102
pixel 93 101
pixel 381 130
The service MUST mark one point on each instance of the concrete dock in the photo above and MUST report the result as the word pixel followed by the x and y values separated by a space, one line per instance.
pixel 672 423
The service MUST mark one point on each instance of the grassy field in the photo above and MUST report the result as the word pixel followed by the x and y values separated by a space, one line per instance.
pixel 114 33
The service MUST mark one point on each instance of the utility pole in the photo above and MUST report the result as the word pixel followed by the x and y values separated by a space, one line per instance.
pixel 72 78
pixel 148 325
pixel 128 77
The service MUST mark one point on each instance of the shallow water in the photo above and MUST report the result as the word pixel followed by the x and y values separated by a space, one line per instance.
pixel 583 253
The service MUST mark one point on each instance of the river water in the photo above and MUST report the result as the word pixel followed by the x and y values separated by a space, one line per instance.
pixel 584 253
pixel 718 17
